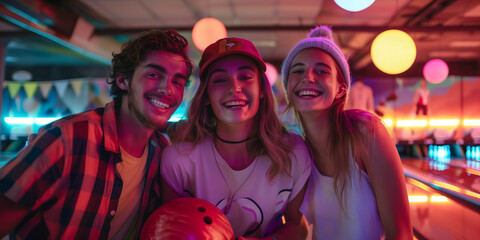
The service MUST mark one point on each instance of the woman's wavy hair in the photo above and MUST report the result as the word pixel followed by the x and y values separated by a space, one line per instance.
pixel 269 136
pixel 346 135
pixel 134 51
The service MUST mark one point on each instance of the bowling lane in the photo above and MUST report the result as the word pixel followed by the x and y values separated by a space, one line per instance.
pixel 444 197
pixel 458 177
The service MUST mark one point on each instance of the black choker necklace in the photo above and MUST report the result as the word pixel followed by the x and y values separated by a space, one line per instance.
pixel 231 142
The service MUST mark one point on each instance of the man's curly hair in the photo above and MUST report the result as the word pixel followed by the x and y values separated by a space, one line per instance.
pixel 134 51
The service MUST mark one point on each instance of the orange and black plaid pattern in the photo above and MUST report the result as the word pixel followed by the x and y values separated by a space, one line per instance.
pixel 66 177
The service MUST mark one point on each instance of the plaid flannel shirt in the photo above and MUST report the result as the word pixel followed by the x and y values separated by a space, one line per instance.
pixel 66 176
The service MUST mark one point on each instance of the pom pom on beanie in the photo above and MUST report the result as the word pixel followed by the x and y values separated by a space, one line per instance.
pixel 321 31
pixel 319 37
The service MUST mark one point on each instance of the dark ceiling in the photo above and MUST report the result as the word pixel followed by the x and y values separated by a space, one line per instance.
pixel 57 39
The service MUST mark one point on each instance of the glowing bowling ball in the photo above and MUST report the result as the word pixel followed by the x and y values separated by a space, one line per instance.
pixel 187 218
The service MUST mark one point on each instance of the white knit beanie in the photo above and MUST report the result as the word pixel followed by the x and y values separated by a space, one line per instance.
pixel 319 37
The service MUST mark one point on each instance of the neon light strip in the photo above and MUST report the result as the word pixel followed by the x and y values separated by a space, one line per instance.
pixel 425 198
pixel 444 122
pixel 411 123
pixel 417 198
pixel 433 122
pixel 28 120
pixel 438 198
pixel 471 122
pixel 43 121
pixel 175 119
pixel 388 122
pixel 19 120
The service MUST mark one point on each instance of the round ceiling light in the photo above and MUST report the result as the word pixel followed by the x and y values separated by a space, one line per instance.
pixel 393 51
pixel 435 71
pixel 207 31
pixel 354 5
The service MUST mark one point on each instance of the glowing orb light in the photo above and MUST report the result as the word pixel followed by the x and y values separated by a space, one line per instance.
pixel 207 31
pixel 393 51
pixel 435 71
pixel 272 73
pixel 354 5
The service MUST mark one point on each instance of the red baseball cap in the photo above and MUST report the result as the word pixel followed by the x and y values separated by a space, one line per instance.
pixel 229 46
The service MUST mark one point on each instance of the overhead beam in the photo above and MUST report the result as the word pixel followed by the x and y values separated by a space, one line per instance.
pixel 335 28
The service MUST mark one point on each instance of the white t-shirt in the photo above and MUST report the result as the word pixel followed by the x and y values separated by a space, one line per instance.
pixel 256 204
pixel 359 219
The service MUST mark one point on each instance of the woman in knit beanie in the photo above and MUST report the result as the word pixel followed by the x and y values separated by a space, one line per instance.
pixel 357 188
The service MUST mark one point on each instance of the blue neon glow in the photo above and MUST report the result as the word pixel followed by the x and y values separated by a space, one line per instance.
pixel 28 120
pixel 19 120
pixel 176 117
pixel 473 153
pixel 43 121
pixel 354 5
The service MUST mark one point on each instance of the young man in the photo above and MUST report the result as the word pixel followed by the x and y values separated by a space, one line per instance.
pixel 94 175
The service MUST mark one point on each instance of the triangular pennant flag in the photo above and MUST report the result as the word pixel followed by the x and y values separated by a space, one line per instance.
pixel 30 88
pixel 61 86
pixel 45 88
pixel 76 103
pixel 13 88
pixel 77 85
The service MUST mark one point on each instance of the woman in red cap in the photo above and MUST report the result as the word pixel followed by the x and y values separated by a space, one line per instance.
pixel 233 150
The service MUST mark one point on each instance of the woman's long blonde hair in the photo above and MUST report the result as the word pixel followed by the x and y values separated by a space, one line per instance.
pixel 269 136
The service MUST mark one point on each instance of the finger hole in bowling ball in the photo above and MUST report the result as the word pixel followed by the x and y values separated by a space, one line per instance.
pixel 201 209
pixel 207 220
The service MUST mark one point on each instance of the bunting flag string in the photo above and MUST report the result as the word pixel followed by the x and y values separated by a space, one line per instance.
pixel 77 84
pixel 77 94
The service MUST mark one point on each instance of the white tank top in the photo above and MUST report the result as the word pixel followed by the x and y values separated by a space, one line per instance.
pixel 359 220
